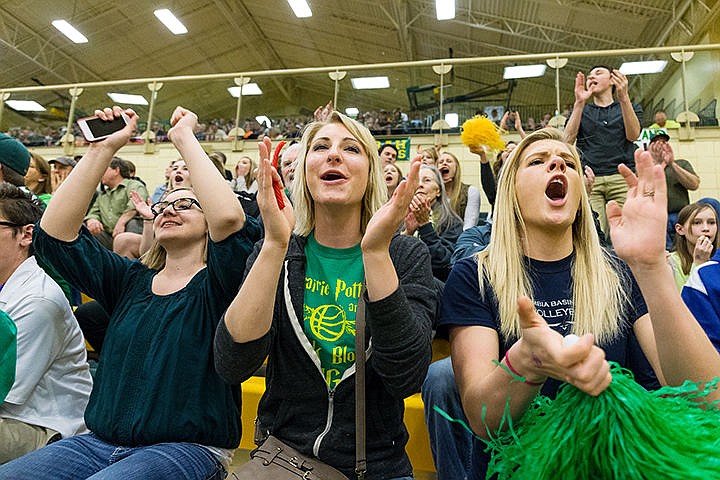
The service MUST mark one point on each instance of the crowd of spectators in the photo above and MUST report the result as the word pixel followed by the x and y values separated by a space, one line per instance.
pixel 380 122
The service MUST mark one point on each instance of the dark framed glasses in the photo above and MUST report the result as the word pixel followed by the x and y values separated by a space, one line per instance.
pixel 178 204
pixel 11 224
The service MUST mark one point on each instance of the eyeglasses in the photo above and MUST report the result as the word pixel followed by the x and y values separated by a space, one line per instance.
pixel 177 204
pixel 11 224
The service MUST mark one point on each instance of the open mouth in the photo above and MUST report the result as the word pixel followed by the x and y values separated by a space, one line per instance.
pixel 179 179
pixel 556 188
pixel 389 178
pixel 169 223
pixel 444 170
pixel 332 176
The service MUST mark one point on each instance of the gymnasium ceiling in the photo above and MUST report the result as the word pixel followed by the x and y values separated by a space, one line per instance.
pixel 225 36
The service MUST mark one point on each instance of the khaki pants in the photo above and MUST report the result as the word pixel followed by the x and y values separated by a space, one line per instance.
pixel 606 188
pixel 18 438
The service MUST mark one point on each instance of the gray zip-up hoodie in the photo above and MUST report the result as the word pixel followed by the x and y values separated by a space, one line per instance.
pixel 298 406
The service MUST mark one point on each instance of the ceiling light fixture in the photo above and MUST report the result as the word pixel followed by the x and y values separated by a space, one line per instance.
pixel 638 68
pixel 369 83
pixel 69 31
pixel 247 89
pixel 25 105
pixel 300 8
pixel 445 9
pixel 128 99
pixel 170 21
pixel 524 71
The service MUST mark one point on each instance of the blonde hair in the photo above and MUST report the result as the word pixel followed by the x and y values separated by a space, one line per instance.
pixel 432 152
pixel 598 295
pixel 156 255
pixel 453 186
pixel 375 193
pixel 250 175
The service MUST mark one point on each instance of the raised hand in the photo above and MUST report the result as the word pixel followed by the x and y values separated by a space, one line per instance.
pixel 278 222
pixel 182 118
pixel 668 155
pixel 479 150
pixel 121 137
pixel 582 95
pixel 589 179
pixel 322 113
pixel 143 208
pixel 504 119
pixel 621 83
pixel 387 219
pixel 518 122
pixel 638 229
pixel 581 364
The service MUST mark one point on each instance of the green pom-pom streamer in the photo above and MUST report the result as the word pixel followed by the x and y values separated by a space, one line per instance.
pixel 625 432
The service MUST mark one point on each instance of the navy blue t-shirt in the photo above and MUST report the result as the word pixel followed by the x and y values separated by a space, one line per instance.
pixel 463 305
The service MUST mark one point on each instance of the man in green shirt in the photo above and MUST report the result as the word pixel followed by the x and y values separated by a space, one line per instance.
pixel 112 218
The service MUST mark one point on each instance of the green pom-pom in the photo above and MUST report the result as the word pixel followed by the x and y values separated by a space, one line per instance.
pixel 625 432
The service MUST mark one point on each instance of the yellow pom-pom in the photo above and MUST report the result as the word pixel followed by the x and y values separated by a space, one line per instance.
pixel 480 130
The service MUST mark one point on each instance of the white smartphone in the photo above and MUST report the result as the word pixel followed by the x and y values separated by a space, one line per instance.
pixel 95 129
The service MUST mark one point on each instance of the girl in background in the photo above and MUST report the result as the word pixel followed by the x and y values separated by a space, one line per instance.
pixel 244 180
pixel 464 198
pixel 696 241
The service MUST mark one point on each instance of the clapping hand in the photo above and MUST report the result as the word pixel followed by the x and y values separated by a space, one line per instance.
pixel 638 229
pixel 420 207
pixel 581 93
pixel 278 222
pixel 387 219
pixel 621 83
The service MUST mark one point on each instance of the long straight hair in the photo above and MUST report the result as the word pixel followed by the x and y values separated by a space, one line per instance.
pixel 446 216
pixel 598 294
pixel 375 192
pixel 455 185
pixel 682 246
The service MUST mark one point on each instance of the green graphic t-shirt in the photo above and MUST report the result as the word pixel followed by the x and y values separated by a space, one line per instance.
pixel 333 281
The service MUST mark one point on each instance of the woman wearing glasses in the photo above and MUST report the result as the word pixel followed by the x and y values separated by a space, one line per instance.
pixel 158 409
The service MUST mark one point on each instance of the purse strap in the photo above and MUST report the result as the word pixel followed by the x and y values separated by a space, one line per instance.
pixel 360 457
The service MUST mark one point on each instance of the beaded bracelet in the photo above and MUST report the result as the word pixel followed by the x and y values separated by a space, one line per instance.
pixel 510 367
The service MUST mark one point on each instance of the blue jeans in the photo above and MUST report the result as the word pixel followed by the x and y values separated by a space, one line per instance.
pixel 88 457
pixel 451 445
